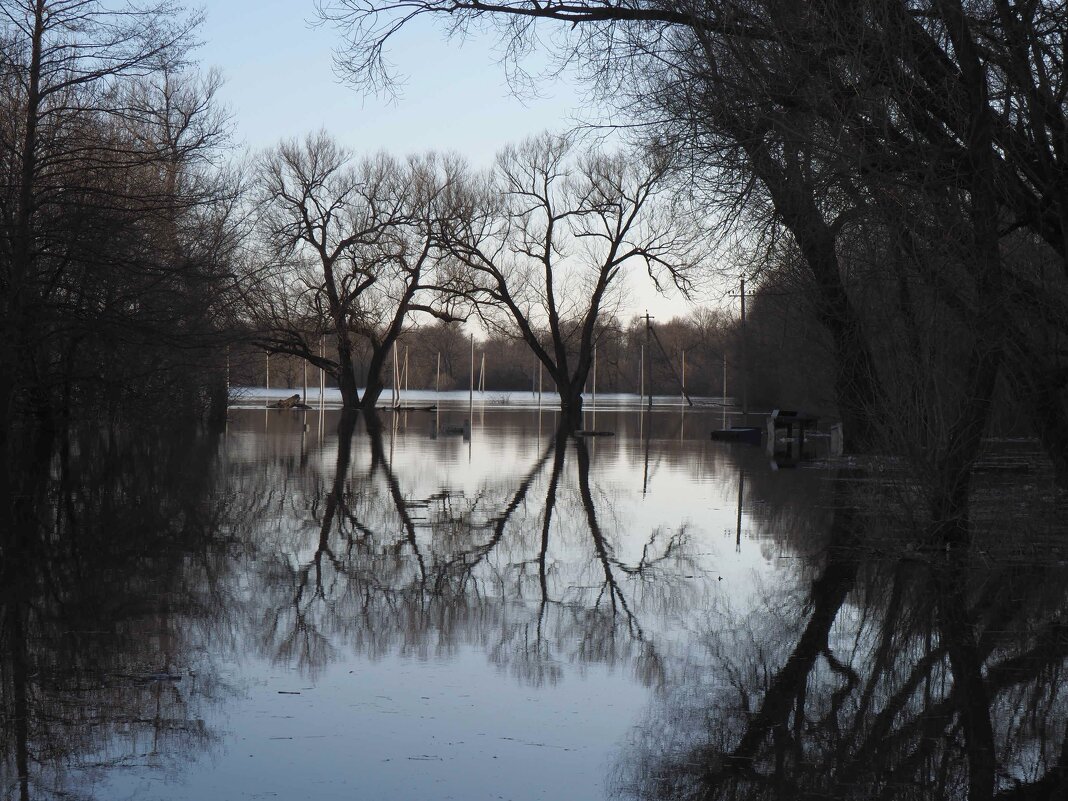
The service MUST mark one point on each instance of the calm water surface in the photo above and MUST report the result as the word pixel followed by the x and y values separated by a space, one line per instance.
pixel 306 607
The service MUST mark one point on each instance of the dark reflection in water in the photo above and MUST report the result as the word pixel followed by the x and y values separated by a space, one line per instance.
pixel 900 672
pixel 716 629
pixel 519 564
pixel 111 582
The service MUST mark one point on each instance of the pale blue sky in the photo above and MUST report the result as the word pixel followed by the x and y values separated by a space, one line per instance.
pixel 280 83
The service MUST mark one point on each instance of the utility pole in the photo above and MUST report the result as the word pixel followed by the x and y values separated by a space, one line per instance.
pixel 595 378
pixel 646 349
pixel 745 364
pixel 641 378
pixel 396 376
pixel 684 374
pixel 743 360
pixel 723 405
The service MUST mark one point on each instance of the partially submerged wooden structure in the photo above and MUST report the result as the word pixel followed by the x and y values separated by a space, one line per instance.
pixel 292 402
pixel 793 424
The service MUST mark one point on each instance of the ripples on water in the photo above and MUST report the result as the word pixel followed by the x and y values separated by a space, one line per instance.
pixel 313 608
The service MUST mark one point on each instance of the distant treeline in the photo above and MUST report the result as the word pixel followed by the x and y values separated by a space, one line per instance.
pixel 699 342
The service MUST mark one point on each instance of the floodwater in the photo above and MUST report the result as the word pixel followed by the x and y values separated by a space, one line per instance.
pixel 306 606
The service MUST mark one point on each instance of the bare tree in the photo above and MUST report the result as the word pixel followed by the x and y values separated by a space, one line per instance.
pixel 557 229
pixel 357 247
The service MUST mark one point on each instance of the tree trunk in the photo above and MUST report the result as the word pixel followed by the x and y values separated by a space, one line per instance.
pixel 346 377
pixel 855 379
pixel 25 362
pixel 372 392
pixel 1038 387
pixel 570 403
pixel 970 693
pixel 373 382
pixel 855 382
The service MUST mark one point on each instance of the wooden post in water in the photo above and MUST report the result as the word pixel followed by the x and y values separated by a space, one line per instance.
pixel 648 347
pixel 682 385
pixel 267 400
pixel 723 405
pixel 641 379
pixel 471 388
pixel 738 534
pixel 437 376
pixel 745 365
pixel 322 389
pixel 396 376
pixel 593 402
pixel 684 376
pixel 305 363
pixel 405 369
pixel 595 379
pixel 541 375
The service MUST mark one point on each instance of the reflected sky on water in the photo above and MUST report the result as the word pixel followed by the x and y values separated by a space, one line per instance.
pixel 335 607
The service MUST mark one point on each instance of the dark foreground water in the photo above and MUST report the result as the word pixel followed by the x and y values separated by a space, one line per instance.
pixel 290 610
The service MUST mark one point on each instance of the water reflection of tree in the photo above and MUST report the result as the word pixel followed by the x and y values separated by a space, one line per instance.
pixel 926 674
pixel 522 568
pixel 108 589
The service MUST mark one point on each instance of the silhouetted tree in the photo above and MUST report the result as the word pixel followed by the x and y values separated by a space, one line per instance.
pixel 553 233
pixel 358 251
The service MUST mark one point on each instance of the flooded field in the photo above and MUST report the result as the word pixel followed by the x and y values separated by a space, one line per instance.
pixel 436 606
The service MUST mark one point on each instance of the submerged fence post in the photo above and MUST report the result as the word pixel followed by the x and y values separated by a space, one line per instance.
pixel 723 405
pixel 396 379
pixel 745 365
pixel 641 378
pixel 595 378
pixel 683 375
